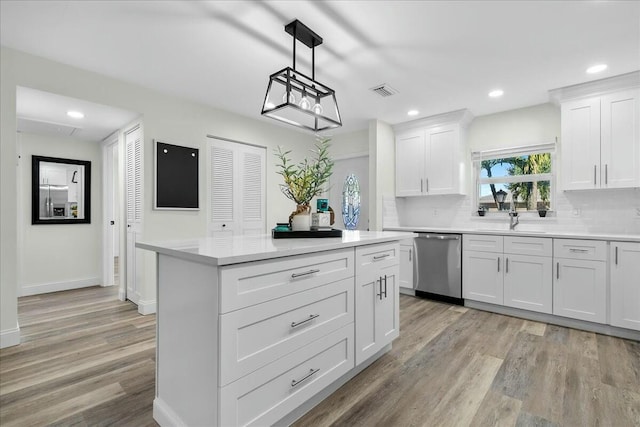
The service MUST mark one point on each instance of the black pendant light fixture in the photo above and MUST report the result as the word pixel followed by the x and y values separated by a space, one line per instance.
pixel 296 99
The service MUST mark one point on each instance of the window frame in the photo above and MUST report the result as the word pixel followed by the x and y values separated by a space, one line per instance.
pixel 478 156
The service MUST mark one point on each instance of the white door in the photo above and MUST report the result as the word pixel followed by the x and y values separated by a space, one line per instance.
pixel 625 291
pixel 620 144
pixel 410 164
pixel 359 166
pixel 442 167
pixel 111 246
pixel 388 310
pixel 482 277
pixel 580 289
pixel 581 144
pixel 237 182
pixel 528 282
pixel 134 174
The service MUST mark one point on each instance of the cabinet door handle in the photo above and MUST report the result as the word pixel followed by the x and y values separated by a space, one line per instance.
pixel 580 251
pixel 379 257
pixel 379 282
pixel 306 377
pixel 302 322
pixel 606 173
pixel 557 270
pixel 594 174
pixel 385 285
pixel 410 254
pixel 498 264
pixel 427 185
pixel 421 189
pixel 616 255
pixel 506 270
pixel 306 273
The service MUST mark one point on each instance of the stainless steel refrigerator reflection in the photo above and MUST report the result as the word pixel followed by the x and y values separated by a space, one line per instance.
pixel 439 267
pixel 53 200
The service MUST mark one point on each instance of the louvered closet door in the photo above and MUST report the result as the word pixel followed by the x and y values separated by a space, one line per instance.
pixel 134 157
pixel 237 189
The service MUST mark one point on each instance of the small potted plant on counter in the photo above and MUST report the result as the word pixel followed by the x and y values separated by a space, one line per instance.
pixel 482 210
pixel 542 210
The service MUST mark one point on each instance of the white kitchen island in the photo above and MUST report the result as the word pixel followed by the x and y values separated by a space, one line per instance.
pixel 256 331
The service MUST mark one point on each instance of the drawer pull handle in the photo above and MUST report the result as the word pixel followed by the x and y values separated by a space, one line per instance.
pixel 580 251
pixel 306 377
pixel 377 257
pixel 302 322
pixel 306 273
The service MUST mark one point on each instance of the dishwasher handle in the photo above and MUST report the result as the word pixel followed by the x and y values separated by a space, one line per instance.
pixel 439 236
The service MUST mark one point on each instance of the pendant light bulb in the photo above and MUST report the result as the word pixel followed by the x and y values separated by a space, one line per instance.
pixel 304 102
pixel 292 98
pixel 317 108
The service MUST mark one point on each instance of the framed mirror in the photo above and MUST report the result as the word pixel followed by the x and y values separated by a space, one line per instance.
pixel 60 191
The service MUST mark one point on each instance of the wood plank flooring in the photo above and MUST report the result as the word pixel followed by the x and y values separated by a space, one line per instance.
pixel 87 359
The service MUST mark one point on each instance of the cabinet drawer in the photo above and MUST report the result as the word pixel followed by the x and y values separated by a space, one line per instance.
pixel 253 337
pixel 372 257
pixel 482 242
pixel 539 246
pixel 256 282
pixel 580 249
pixel 270 393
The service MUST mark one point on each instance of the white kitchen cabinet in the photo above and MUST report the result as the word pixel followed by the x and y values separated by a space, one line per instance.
pixel 601 141
pixel 625 285
pixel 377 298
pixel 510 271
pixel 580 279
pixel 431 155
pixel 407 253
pixel 53 174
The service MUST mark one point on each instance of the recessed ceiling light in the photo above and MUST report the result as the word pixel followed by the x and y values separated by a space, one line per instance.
pixel 412 112
pixel 75 114
pixel 596 68
pixel 496 93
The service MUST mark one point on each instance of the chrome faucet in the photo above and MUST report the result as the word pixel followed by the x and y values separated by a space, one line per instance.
pixel 513 215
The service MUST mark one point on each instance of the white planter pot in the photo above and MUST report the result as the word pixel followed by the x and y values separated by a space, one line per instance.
pixel 301 222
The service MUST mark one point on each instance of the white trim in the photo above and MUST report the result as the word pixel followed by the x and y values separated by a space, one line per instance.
pixel 165 416
pixel 458 117
pixel 595 87
pixel 499 153
pixel 146 307
pixel 108 275
pixel 10 337
pixel 44 288
pixel 236 141
pixel 516 178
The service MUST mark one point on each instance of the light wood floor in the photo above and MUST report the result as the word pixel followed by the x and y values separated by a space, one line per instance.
pixel 88 359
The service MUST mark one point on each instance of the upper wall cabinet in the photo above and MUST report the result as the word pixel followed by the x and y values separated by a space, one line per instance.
pixel 600 144
pixel 431 155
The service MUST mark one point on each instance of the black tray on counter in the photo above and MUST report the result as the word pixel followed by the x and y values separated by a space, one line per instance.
pixel 305 234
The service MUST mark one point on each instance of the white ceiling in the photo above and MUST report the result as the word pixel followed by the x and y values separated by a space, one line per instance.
pixel 440 55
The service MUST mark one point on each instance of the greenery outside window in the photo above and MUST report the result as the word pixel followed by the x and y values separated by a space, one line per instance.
pixel 522 177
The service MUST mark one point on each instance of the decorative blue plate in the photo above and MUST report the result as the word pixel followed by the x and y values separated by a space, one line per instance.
pixel 351 202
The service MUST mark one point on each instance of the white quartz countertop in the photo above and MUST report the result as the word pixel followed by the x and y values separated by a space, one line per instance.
pixel 506 232
pixel 238 249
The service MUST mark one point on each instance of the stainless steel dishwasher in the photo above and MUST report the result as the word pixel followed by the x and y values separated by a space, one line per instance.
pixel 439 267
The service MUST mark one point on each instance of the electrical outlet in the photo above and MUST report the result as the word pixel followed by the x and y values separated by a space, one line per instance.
pixel 576 212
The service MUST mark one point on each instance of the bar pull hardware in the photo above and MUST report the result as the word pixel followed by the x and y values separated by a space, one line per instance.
pixel 385 285
pixel 410 254
pixel 506 270
pixel 377 257
pixel 427 184
pixel 580 251
pixel 594 174
pixel 379 280
pixel 306 377
pixel 557 270
pixel 616 255
pixel 306 273
pixel 498 264
pixel 606 173
pixel 421 188
pixel 302 322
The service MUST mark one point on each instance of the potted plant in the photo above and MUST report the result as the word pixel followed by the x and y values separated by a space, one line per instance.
pixel 305 180
pixel 482 210
pixel 542 210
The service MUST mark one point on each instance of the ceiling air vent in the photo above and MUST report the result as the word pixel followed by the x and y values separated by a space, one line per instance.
pixel 384 90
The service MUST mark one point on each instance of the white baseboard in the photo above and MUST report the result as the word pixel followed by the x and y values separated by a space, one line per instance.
pixel 43 288
pixel 146 307
pixel 10 337
pixel 164 415
pixel 407 291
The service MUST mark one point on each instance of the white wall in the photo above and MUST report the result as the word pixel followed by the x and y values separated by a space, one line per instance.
pixel 612 211
pixel 382 178
pixel 349 144
pixel 58 256
pixel 165 117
